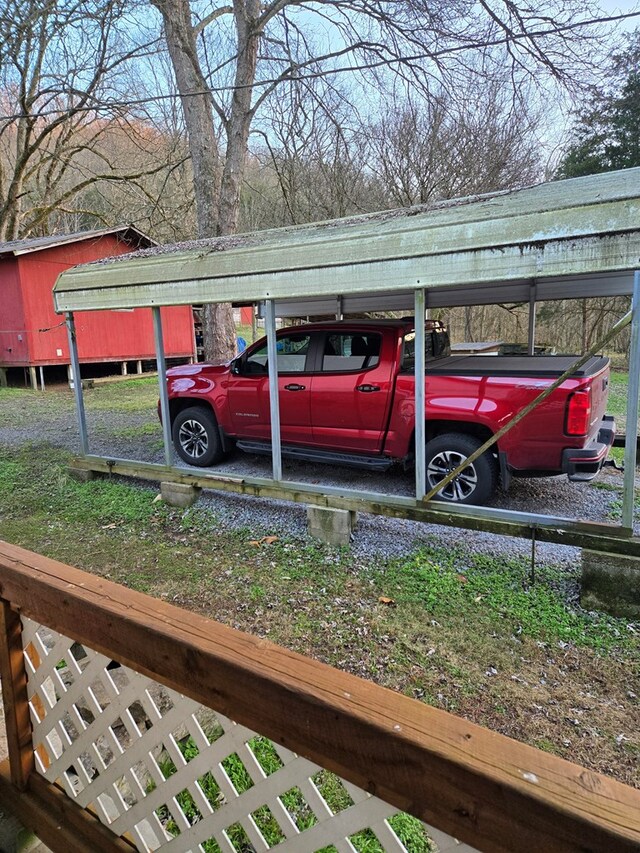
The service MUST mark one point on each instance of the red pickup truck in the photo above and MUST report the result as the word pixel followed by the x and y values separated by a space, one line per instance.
pixel 347 398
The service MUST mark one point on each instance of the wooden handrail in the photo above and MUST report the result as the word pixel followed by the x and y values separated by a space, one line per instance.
pixel 486 789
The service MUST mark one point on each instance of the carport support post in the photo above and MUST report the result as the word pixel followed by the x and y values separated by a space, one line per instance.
pixel 419 369
pixel 274 403
pixel 77 383
pixel 531 342
pixel 162 382
pixel 633 393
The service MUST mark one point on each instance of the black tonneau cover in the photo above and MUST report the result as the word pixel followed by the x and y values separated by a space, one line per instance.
pixel 543 366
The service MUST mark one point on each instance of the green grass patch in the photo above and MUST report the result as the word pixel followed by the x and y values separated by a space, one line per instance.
pixel 497 592
pixel 18 394
pixel 152 428
pixel 139 395
pixel 617 401
pixel 446 620
pixel 33 481
pixel 410 830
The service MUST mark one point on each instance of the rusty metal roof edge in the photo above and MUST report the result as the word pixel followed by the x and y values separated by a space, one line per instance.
pixel 39 244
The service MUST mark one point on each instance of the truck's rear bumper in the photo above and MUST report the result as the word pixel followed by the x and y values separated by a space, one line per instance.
pixel 584 463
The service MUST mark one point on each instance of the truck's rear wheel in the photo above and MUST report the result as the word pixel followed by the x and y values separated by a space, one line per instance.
pixel 475 484
pixel 196 437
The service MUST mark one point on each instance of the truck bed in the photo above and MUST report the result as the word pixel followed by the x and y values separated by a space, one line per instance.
pixel 543 366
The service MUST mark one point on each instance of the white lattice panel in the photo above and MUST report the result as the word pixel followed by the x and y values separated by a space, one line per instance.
pixel 170 774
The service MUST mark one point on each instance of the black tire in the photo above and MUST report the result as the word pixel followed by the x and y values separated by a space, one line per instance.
pixel 475 484
pixel 196 437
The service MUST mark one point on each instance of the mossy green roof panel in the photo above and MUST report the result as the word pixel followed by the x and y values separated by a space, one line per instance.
pixel 571 228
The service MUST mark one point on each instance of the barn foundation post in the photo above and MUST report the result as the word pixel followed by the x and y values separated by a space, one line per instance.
pixel 3 377
pixel 138 366
pixel 333 526
pixel 33 378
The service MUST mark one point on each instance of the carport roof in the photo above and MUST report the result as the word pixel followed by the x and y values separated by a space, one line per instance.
pixel 573 238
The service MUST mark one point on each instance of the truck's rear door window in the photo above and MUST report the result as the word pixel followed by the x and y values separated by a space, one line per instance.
pixel 436 345
pixel 347 351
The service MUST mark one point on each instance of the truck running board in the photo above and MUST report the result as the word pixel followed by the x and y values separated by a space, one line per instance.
pixel 347 460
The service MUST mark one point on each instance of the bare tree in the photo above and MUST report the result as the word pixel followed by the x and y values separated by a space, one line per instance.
pixel 159 201
pixel 479 139
pixel 314 147
pixel 58 63
pixel 230 60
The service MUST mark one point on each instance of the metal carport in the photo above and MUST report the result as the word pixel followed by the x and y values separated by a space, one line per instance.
pixel 559 240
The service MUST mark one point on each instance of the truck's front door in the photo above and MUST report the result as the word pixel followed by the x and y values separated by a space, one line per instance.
pixel 248 393
pixel 351 391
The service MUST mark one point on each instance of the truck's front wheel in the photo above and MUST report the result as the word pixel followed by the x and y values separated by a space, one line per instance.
pixel 196 437
pixel 475 484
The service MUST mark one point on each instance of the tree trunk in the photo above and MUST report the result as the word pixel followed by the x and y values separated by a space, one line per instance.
pixel 246 14
pixel 218 330
pixel 219 338
pixel 198 112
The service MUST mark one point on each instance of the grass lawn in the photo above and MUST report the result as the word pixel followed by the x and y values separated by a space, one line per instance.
pixel 463 632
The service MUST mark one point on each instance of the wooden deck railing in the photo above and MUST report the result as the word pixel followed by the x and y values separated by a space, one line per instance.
pixel 61 625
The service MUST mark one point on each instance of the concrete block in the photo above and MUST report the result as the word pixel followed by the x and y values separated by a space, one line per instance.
pixel 179 494
pixel 611 583
pixel 333 526
pixel 82 475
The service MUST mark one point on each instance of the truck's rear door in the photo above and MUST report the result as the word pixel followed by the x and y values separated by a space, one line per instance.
pixel 351 390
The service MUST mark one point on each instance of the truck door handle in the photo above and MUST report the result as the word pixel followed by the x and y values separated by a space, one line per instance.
pixel 367 389
pixel 294 387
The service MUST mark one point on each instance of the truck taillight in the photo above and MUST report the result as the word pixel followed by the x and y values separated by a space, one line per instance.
pixel 578 413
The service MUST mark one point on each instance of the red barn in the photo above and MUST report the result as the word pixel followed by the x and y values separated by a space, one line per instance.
pixel 32 335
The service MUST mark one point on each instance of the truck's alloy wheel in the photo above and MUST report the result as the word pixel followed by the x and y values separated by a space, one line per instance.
pixel 196 437
pixel 475 484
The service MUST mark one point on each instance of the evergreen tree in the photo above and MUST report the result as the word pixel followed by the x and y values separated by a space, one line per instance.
pixel 607 134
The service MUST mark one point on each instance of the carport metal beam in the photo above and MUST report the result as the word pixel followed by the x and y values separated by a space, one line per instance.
pixel 420 393
pixel 633 394
pixel 77 383
pixel 274 397
pixel 531 337
pixel 162 382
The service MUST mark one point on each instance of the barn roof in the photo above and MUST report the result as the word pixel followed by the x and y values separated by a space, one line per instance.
pixel 579 237
pixel 126 233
